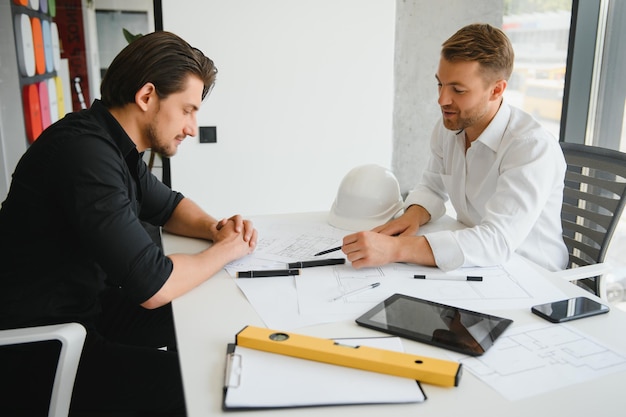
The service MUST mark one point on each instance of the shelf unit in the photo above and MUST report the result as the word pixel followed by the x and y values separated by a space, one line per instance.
pixel 39 60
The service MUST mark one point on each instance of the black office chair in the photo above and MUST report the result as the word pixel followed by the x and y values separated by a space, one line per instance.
pixel 593 201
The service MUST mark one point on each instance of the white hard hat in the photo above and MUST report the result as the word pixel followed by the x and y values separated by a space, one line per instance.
pixel 368 196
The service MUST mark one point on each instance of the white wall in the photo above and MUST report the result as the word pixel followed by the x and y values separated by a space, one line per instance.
pixel 304 94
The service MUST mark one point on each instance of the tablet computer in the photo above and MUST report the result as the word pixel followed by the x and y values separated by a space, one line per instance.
pixel 457 329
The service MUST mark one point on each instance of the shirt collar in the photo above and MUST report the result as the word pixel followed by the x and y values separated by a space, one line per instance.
pixel 493 133
pixel 112 126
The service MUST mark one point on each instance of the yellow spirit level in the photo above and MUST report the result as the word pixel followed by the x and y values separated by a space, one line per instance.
pixel 423 369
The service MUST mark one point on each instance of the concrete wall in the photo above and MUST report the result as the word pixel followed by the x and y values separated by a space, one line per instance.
pixel 421 27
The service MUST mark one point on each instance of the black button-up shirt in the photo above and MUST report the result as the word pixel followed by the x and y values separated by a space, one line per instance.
pixel 71 223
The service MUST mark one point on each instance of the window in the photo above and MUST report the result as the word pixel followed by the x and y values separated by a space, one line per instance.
pixel 568 74
pixel 606 118
pixel 594 96
pixel 539 32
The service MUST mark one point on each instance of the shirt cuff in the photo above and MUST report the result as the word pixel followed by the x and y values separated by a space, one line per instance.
pixel 433 205
pixel 446 250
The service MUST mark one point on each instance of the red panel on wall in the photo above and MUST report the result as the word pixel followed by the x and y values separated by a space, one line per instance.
pixel 32 114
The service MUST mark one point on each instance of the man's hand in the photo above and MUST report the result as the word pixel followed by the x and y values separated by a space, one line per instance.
pixel 394 241
pixel 237 235
pixel 232 238
pixel 369 248
pixel 241 225
pixel 406 225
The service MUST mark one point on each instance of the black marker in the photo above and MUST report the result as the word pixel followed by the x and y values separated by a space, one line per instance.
pixel 268 273
pixel 321 262
pixel 449 277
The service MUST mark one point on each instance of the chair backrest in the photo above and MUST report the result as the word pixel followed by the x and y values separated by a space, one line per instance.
pixel 593 201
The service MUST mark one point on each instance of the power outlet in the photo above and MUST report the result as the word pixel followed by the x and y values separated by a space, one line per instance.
pixel 208 134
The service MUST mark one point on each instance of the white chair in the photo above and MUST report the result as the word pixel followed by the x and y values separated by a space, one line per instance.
pixel 72 338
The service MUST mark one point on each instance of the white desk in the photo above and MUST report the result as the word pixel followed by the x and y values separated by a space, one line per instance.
pixel 208 318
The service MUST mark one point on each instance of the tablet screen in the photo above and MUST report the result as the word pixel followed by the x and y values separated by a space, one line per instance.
pixel 453 328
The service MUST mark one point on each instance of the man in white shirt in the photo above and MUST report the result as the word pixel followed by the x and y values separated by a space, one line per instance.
pixel 502 172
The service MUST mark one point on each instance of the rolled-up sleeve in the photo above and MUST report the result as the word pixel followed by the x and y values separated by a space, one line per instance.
pixel 446 250
pixel 158 200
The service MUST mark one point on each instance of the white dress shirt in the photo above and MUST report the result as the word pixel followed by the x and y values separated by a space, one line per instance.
pixel 507 189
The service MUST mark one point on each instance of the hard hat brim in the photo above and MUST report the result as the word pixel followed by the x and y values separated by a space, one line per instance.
pixel 360 224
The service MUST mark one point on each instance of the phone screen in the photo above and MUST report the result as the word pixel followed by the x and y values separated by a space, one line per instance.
pixel 570 309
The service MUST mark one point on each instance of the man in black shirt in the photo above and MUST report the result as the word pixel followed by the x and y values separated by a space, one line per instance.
pixel 74 247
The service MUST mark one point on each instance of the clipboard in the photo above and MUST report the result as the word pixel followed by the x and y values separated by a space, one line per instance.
pixel 258 380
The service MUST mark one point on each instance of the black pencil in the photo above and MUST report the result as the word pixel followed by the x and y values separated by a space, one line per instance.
pixel 324 252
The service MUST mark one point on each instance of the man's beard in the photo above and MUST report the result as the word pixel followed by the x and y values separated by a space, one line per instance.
pixel 157 145
pixel 463 122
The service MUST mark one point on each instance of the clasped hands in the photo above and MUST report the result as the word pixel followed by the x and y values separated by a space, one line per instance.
pixel 237 231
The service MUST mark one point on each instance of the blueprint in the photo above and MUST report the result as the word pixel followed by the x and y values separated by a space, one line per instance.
pixel 538 358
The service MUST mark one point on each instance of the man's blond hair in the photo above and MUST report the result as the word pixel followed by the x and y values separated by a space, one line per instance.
pixel 485 44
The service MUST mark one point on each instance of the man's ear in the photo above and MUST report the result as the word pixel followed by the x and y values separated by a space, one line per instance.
pixel 145 96
pixel 498 89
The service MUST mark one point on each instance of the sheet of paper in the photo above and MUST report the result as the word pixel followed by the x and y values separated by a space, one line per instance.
pixel 283 305
pixel 262 379
pixel 318 288
pixel 538 358
pixel 275 299
pixel 281 242
pixel 513 285
pixel 500 288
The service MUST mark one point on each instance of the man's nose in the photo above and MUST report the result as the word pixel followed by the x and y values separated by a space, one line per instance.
pixel 444 97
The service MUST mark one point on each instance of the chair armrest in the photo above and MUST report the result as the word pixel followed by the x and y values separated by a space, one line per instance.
pixel 72 338
pixel 586 271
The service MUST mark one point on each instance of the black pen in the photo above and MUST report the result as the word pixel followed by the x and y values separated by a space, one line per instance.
pixel 449 277
pixel 268 273
pixel 321 262
pixel 324 252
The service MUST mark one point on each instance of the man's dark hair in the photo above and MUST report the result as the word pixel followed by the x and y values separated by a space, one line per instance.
pixel 161 58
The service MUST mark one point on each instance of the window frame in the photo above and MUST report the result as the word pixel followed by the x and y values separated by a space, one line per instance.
pixel 594 95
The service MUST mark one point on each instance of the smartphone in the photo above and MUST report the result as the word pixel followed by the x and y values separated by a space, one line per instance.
pixel 570 309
